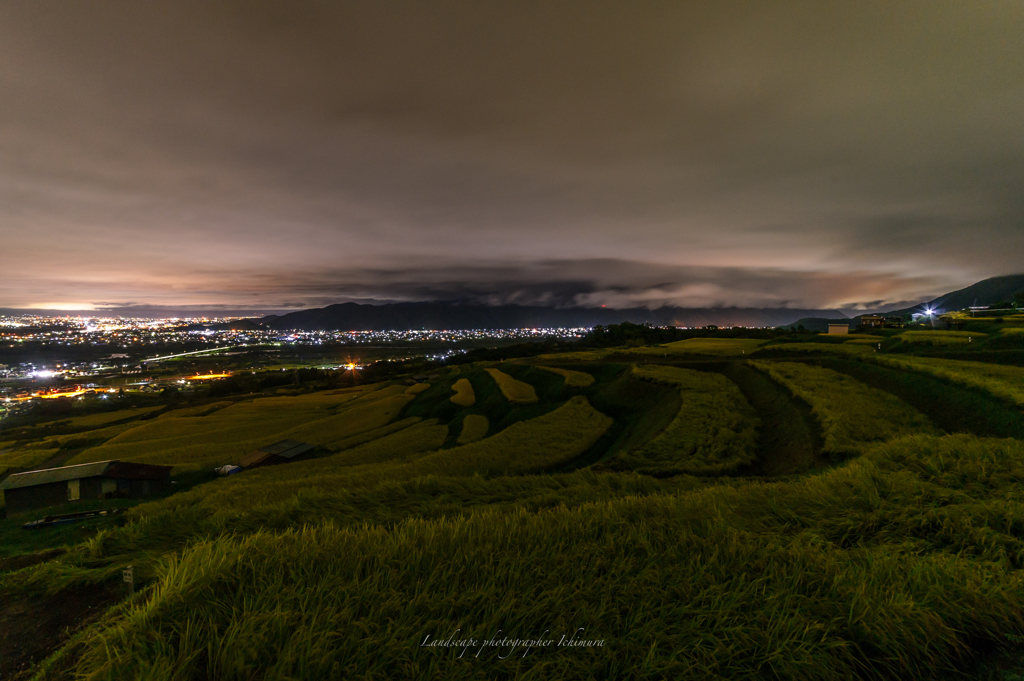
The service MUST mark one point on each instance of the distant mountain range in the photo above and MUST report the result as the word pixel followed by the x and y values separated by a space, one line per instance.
pixel 462 316
pixel 356 317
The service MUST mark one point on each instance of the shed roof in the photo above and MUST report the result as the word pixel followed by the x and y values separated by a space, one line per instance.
pixel 110 469
pixel 48 475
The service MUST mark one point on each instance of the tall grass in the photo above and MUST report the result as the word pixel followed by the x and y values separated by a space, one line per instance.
pixel 513 390
pixel 891 567
pixel 852 415
pixel 714 431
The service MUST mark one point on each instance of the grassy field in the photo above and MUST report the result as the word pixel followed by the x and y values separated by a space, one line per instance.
pixel 714 432
pixel 852 415
pixel 573 379
pixel 23 458
pixel 1005 382
pixel 513 390
pixel 849 348
pixel 755 519
pixel 941 337
pixel 464 395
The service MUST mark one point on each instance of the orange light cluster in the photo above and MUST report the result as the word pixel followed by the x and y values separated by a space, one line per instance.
pixel 205 377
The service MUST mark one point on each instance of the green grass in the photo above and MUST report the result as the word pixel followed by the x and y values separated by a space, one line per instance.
pixel 714 432
pixel 573 379
pixel 417 388
pixel 899 565
pixel 464 395
pixel 474 427
pixel 513 390
pixel 853 416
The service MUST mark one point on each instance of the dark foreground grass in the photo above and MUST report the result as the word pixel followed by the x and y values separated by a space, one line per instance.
pixel 901 564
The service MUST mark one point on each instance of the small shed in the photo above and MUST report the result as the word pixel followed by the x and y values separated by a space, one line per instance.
pixel 838 329
pixel 279 452
pixel 100 480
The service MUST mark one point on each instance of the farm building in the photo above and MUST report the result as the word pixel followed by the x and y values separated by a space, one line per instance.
pixel 279 452
pixel 100 480
pixel 877 321
pixel 838 328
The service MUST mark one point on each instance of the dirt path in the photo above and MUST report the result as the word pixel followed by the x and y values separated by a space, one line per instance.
pixel 791 438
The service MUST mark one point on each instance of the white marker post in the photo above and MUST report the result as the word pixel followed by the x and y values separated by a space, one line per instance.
pixel 129 578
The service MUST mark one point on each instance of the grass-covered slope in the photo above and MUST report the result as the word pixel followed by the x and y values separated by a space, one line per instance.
pixel 896 566
pixel 1006 382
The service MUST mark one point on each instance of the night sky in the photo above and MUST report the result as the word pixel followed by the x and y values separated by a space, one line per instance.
pixel 297 154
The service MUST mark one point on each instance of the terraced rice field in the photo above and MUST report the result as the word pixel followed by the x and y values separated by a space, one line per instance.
pixel 464 395
pixel 1006 382
pixel 853 416
pixel 684 518
pixel 714 432
pixel 513 390
pixel 573 379
pixel 715 347
pixel 474 427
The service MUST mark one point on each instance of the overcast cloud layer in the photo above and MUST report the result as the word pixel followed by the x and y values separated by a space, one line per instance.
pixel 297 154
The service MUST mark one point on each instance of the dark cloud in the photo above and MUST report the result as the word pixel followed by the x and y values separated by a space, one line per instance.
pixel 258 153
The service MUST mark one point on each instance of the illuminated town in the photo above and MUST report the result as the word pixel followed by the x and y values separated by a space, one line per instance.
pixel 83 357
